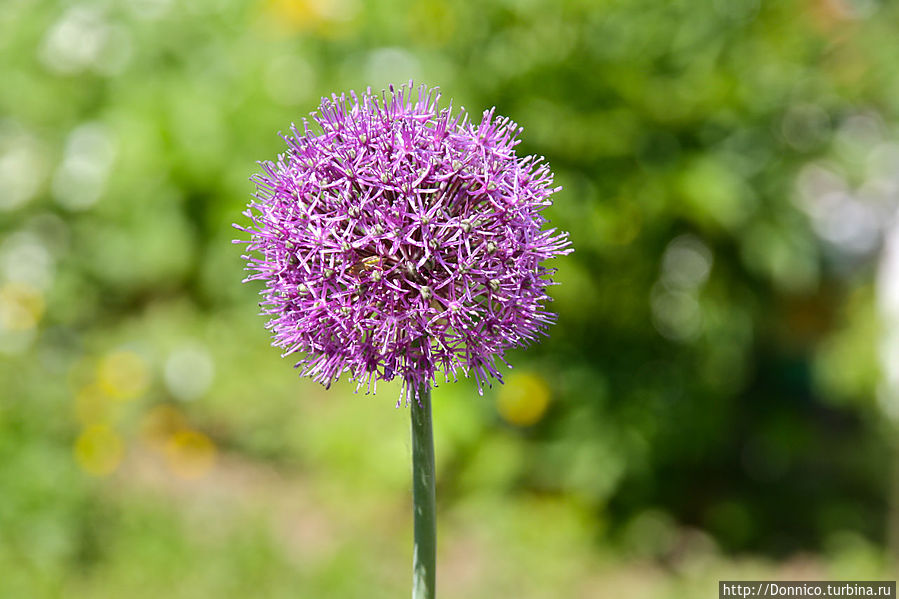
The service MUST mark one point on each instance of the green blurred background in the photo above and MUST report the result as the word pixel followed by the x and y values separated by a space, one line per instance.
pixel 718 399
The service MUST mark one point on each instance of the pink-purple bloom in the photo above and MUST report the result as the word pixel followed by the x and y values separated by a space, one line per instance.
pixel 397 238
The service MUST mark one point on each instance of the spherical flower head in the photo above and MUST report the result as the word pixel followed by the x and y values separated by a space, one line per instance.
pixel 397 238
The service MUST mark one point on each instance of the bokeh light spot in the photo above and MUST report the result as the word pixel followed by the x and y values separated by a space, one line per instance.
pixel 160 423
pixel 190 454
pixel 523 399
pixel 676 314
pixel 25 259
pixel 82 39
pixel 188 372
pixel 386 65
pixel 686 263
pixel 92 405
pixel 99 450
pixel 123 375
pixel 21 307
pixel 288 16
pixel 81 178
pixel 22 166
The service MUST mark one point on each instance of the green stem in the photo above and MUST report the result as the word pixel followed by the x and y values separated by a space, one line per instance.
pixel 424 559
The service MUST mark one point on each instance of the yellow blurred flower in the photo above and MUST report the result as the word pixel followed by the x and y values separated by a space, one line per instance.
pixel 189 453
pixel 160 423
pixel 99 450
pixel 21 307
pixel 523 399
pixel 123 375
pixel 289 16
pixel 93 405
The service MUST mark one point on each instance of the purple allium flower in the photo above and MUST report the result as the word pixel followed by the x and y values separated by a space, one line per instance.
pixel 397 239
